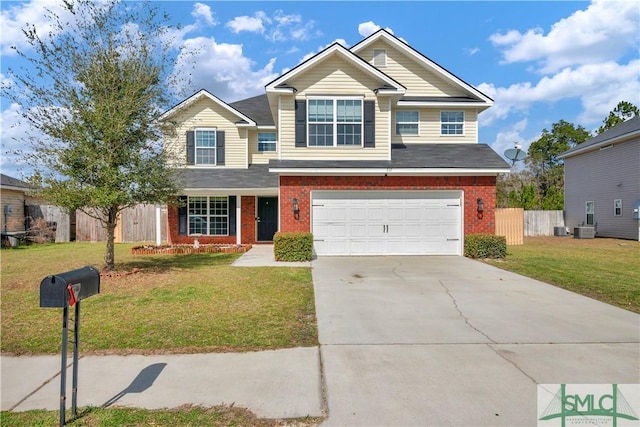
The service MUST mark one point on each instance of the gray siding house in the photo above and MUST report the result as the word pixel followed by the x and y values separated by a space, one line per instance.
pixel 602 182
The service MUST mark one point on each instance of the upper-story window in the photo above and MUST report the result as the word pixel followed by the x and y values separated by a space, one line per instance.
pixel 407 123
pixel 205 147
pixel 334 122
pixel 617 207
pixel 267 141
pixel 451 123
pixel 380 57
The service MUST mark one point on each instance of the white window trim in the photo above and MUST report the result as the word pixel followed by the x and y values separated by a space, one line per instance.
pixel 446 135
pixel 208 216
pixel 408 123
pixel 373 60
pixel 617 202
pixel 334 123
pixel 587 213
pixel 275 142
pixel 195 147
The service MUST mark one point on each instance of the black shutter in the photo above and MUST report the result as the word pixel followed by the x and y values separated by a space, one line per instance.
pixel 301 123
pixel 232 215
pixel 191 147
pixel 220 147
pixel 369 124
pixel 182 215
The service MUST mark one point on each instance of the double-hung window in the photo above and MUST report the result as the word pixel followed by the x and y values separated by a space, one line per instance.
pixel 205 147
pixel 209 216
pixel 266 141
pixel 335 122
pixel 407 123
pixel 451 123
pixel 590 211
pixel 617 207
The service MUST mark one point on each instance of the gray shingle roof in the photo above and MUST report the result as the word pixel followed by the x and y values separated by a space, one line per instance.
pixel 630 126
pixel 8 181
pixel 426 156
pixel 257 176
pixel 257 108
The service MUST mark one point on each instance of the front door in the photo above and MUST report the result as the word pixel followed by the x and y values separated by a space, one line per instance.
pixel 267 218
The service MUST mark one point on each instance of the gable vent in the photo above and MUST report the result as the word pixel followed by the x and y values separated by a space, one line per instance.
pixel 380 57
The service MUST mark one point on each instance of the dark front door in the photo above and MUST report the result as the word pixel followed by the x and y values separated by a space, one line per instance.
pixel 267 218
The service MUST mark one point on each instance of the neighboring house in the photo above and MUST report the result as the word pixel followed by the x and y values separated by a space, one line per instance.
pixel 12 193
pixel 373 149
pixel 602 182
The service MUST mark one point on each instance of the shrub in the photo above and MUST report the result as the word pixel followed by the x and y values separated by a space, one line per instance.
pixel 289 246
pixel 485 246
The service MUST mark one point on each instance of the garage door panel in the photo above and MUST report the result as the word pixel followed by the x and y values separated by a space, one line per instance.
pixel 391 222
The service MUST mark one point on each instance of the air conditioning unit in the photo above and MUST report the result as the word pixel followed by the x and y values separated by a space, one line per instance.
pixel 560 231
pixel 584 232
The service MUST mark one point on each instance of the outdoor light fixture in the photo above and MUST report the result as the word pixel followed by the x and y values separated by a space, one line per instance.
pixel 296 208
pixel 480 206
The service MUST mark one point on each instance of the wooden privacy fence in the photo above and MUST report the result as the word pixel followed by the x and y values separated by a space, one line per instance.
pixel 541 223
pixel 510 223
pixel 515 223
pixel 136 224
pixel 55 217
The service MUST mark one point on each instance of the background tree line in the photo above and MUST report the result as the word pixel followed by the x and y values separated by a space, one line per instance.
pixel 540 184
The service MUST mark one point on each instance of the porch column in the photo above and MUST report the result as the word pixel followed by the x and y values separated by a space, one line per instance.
pixel 238 219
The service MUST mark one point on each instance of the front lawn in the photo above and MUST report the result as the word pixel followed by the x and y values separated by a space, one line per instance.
pixel 173 304
pixel 604 269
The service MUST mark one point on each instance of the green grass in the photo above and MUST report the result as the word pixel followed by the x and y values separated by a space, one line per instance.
pixel 604 269
pixel 174 304
pixel 218 416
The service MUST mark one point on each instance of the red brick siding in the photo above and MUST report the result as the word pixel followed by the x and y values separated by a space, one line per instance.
pixel 248 215
pixel 474 187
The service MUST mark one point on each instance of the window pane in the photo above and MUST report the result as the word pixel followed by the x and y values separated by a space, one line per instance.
pixel 205 138
pixel 321 135
pixel 349 110
pixel 320 110
pixel 205 147
pixel 407 116
pixel 267 141
pixel 349 134
pixel 406 129
pixel 218 226
pixel 197 205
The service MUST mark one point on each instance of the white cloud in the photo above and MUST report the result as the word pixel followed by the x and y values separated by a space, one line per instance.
pixel 367 28
pixel 602 32
pixel 252 24
pixel 511 135
pixel 15 17
pixel 13 128
pixel 598 86
pixel 222 69
pixel 472 51
pixel 203 11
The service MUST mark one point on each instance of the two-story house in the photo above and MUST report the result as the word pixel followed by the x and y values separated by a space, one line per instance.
pixel 373 149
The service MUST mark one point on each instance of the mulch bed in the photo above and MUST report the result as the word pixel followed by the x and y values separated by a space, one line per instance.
pixel 189 249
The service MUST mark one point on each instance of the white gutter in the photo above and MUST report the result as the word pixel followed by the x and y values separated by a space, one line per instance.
pixel 387 171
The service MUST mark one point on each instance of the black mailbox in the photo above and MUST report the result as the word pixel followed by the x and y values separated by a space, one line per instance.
pixel 64 289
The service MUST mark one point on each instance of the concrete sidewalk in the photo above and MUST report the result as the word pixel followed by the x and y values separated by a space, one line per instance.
pixel 262 256
pixel 271 384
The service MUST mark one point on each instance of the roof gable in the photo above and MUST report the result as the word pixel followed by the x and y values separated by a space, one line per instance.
pixel 204 94
pixel 622 132
pixel 422 60
pixel 387 83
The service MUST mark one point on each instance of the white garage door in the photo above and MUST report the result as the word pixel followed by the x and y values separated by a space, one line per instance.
pixel 387 222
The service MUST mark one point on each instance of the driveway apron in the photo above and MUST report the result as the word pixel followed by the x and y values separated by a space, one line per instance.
pixel 452 341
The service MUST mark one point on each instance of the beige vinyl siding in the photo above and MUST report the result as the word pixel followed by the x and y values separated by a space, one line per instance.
pixel 418 79
pixel 258 157
pixel 429 127
pixel 334 77
pixel 15 220
pixel 207 114
pixel 603 176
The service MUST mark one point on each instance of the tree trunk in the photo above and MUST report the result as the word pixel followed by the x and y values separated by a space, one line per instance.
pixel 109 256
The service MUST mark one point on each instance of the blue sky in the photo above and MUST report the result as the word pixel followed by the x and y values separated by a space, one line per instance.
pixel 540 61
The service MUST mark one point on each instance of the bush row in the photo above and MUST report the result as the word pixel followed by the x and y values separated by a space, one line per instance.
pixel 485 246
pixel 288 246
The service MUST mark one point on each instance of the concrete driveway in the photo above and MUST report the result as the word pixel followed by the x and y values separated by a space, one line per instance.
pixel 452 341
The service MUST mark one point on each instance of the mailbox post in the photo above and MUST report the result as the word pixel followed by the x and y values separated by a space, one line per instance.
pixel 64 290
